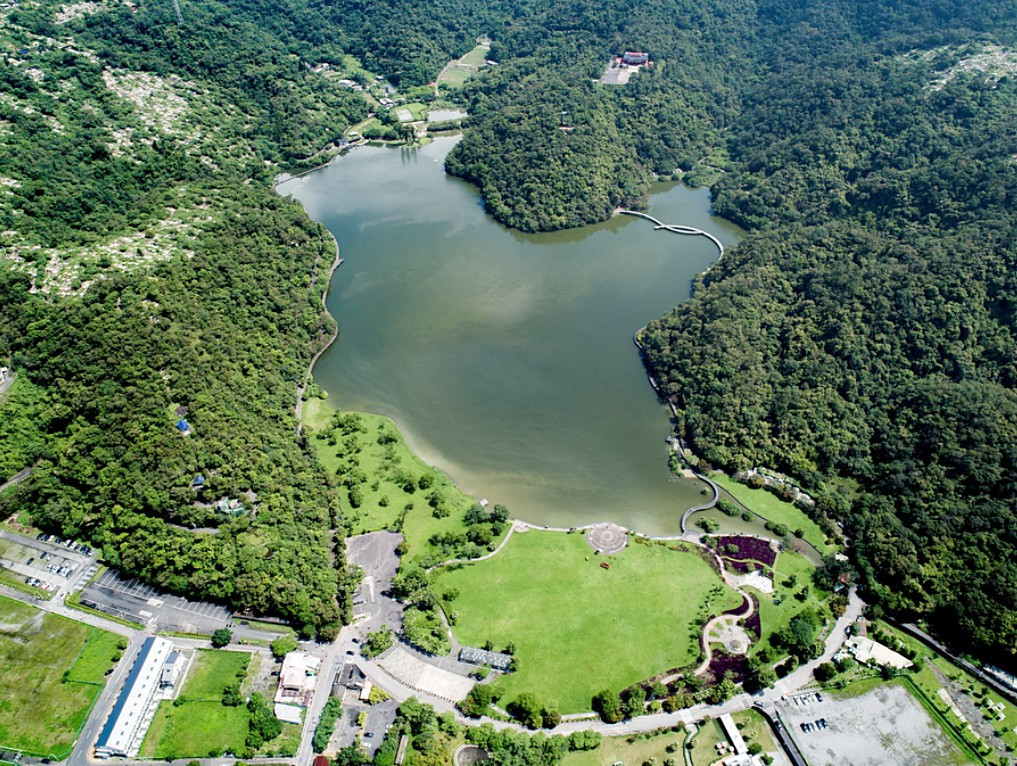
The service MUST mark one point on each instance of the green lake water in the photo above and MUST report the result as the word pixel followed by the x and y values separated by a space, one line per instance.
pixel 507 359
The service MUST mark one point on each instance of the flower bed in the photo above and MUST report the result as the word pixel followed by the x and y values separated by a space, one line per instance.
pixel 743 548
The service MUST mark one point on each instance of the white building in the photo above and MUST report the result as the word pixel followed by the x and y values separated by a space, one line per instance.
pixel 866 650
pixel 171 670
pixel 132 712
pixel 297 679
pixel 4 374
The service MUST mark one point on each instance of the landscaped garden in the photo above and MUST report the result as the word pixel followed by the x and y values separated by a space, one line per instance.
pixel 52 671
pixel 794 593
pixel 777 511
pixel 576 627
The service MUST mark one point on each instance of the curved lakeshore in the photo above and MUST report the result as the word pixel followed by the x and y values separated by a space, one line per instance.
pixel 507 366
pixel 302 387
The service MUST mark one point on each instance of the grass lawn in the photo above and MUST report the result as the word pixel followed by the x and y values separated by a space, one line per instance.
pixel 387 466
pixel 578 628
pixel 418 110
pixel 201 725
pixel 363 126
pixel 704 751
pixel 772 508
pixel 754 729
pixel 465 67
pixel 40 712
pixel 96 657
pixel 774 616
pixel 211 672
pixel 476 57
pixel 195 729
pixel 629 750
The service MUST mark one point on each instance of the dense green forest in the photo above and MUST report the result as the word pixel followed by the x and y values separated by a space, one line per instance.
pixel 137 155
pixel 861 337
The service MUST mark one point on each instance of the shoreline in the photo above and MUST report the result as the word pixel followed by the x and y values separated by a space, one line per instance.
pixel 308 376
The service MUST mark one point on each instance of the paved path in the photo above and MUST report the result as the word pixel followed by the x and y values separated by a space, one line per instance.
pixel 678 229
pixel 6 384
pixel 17 478
pixel 299 411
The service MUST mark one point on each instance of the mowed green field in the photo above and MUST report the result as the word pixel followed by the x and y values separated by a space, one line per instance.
pixel 579 628
pixel 201 725
pixel 628 750
pixel 212 671
pixel 40 712
pixel 195 729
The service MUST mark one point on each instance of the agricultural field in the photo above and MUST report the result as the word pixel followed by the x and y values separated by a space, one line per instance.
pixel 402 487
pixel 459 71
pixel 53 671
pixel 579 628
pixel 633 750
pixel 772 508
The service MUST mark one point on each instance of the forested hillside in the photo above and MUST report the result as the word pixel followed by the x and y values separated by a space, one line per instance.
pixel 867 328
pixel 155 276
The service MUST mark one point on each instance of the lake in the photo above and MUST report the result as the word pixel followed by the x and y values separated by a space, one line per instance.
pixel 507 359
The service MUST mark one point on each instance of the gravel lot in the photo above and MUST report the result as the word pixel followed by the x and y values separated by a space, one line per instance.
pixel 883 727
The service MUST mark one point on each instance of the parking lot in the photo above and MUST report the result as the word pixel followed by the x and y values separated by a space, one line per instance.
pixel 885 726
pixel 142 603
pixel 46 562
pixel 378 717
pixel 375 554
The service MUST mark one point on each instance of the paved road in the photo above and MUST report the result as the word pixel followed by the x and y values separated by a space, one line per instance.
pixel 81 755
pixel 20 476
pixel 346 649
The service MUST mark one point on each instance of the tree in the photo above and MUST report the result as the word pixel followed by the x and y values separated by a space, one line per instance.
pixel 221 637
pixel 377 642
pixel 231 695
pixel 527 710
pixel 283 646
pixel 825 671
pixel 635 701
pixel 608 706
pixel 480 697
pixel 761 676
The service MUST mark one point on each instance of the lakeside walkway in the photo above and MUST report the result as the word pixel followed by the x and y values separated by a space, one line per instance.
pixel 676 229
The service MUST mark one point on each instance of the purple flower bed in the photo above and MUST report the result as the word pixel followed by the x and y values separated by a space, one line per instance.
pixel 721 662
pixel 747 548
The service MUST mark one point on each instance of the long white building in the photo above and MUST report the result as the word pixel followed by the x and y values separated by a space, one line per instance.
pixel 132 712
